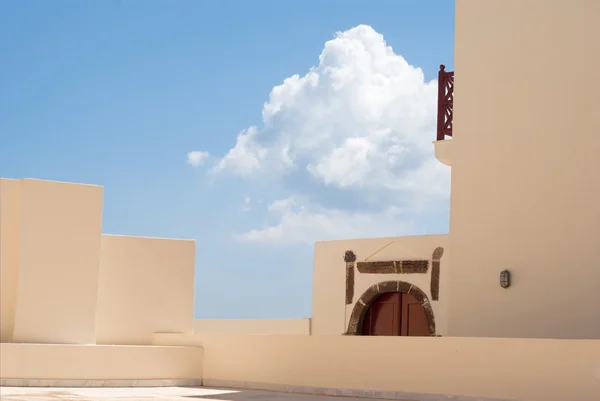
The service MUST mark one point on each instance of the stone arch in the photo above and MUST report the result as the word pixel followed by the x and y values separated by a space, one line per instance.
pixel 364 302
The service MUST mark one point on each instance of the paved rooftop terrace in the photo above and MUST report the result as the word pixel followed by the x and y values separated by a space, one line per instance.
pixel 185 394
pixel 149 394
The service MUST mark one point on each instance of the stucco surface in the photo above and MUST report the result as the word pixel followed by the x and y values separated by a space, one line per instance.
pixel 10 206
pixel 467 367
pixel 525 188
pixel 60 225
pixel 146 285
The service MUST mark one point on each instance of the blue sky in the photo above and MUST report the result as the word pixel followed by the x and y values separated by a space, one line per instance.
pixel 121 93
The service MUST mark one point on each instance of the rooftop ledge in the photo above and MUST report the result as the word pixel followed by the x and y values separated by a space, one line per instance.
pixel 443 151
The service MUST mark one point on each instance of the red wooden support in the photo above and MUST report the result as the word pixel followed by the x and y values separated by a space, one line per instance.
pixel 445 103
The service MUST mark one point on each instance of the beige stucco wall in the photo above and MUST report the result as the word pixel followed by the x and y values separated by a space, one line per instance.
pixel 82 362
pixel 520 369
pixel 253 326
pixel 525 187
pixel 62 281
pixel 59 254
pixel 146 285
pixel 10 195
pixel 331 315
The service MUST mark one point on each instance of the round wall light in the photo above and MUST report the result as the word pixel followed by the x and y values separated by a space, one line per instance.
pixel 504 279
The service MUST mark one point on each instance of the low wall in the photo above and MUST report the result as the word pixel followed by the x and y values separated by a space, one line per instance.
pixel 252 326
pixel 392 367
pixel 98 365
pixel 146 285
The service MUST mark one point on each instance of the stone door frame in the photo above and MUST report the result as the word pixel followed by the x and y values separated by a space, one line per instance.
pixel 364 302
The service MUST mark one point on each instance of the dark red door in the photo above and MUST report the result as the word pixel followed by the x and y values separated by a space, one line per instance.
pixel 395 314
pixel 383 316
pixel 414 320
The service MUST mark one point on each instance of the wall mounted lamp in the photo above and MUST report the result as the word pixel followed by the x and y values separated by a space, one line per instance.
pixel 504 279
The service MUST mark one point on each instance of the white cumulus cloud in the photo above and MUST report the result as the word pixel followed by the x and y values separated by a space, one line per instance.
pixel 246 157
pixel 300 221
pixel 362 120
pixel 196 158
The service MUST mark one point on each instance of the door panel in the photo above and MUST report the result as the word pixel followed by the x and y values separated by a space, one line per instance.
pixel 414 320
pixel 383 316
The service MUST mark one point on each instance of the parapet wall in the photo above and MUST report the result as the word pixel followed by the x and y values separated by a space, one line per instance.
pixel 57 365
pixel 415 368
pixel 402 367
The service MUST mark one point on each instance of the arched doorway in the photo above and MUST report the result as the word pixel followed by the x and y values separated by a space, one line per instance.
pixel 392 308
pixel 395 314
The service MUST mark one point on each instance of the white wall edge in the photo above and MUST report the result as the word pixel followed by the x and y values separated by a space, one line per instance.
pixel 100 383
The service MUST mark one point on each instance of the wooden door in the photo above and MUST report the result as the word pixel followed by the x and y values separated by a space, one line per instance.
pixel 383 316
pixel 414 319
pixel 395 314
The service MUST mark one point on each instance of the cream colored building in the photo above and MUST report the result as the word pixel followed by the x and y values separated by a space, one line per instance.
pixel 81 308
pixel 525 188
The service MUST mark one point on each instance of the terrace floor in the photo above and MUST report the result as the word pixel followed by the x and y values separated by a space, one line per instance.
pixel 153 394
pixel 187 394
